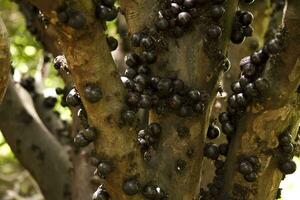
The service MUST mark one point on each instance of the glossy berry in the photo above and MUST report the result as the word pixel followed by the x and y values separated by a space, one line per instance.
pixel 232 101
pixel 164 86
pixel 243 81
pixel 250 90
pixel 133 98
pixel 80 141
pixel 249 70
pixel 287 167
pixel 149 191
pixel 189 3
pixel 245 167
pixel 73 98
pixel 236 87
pixel 223 149
pixel 131 186
pixel 100 194
pixel 162 24
pixel 246 18
pixel 89 134
pixel 217 11
pixel 194 95
pixel 199 107
pixel 106 13
pixel 128 116
pixel 184 18
pixel 258 58
pixel 252 177
pixel 60 62
pixel 285 138
pixel 92 93
pixel 224 117
pixel 241 100
pixel 104 168
pixel 145 101
pixel 213 132
pixel 178 85
pixel 287 148
pixel 175 102
pixel 149 57
pixel 132 60
pixel 130 73
pixel 154 129
pixel 262 85
pixel 211 151
pixel 247 31
pixel 214 32
pixel 147 42
pixel 237 37
pixel 227 128
pixel 274 46
pixel 143 69
pixel 136 39
pixel 112 43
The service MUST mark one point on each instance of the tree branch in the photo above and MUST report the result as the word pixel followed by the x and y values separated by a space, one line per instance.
pixel 33 145
pixel 187 58
pixel 4 59
pixel 258 130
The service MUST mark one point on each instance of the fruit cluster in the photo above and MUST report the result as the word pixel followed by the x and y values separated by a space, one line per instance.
pixel 148 139
pixel 286 148
pixel 249 166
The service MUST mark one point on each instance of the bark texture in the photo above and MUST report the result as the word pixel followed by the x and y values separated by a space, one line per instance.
pixel 258 130
pixel 34 146
pixel 4 59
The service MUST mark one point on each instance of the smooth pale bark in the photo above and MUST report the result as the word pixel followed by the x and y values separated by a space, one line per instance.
pixel 34 146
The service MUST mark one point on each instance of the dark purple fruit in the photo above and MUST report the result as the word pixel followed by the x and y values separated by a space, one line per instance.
pixel 211 151
pixel 287 167
pixel 184 18
pixel 92 93
pixel 245 167
pixel 214 32
pixel 252 177
pixel 112 43
pixel 80 141
pixel 213 132
pixel 131 186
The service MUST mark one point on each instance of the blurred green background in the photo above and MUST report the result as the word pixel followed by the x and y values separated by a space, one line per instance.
pixel 27 55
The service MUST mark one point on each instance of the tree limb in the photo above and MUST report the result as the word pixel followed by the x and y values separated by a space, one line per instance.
pixel 4 59
pixel 258 129
pixel 33 144
pixel 185 56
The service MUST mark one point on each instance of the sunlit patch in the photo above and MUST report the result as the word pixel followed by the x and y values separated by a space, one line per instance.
pixel 30 50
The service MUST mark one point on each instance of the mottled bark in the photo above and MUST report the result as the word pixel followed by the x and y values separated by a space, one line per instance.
pixel 4 59
pixel 187 58
pixel 34 146
pixel 258 130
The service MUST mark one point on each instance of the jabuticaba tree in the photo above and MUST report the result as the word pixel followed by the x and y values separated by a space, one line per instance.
pixel 153 125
